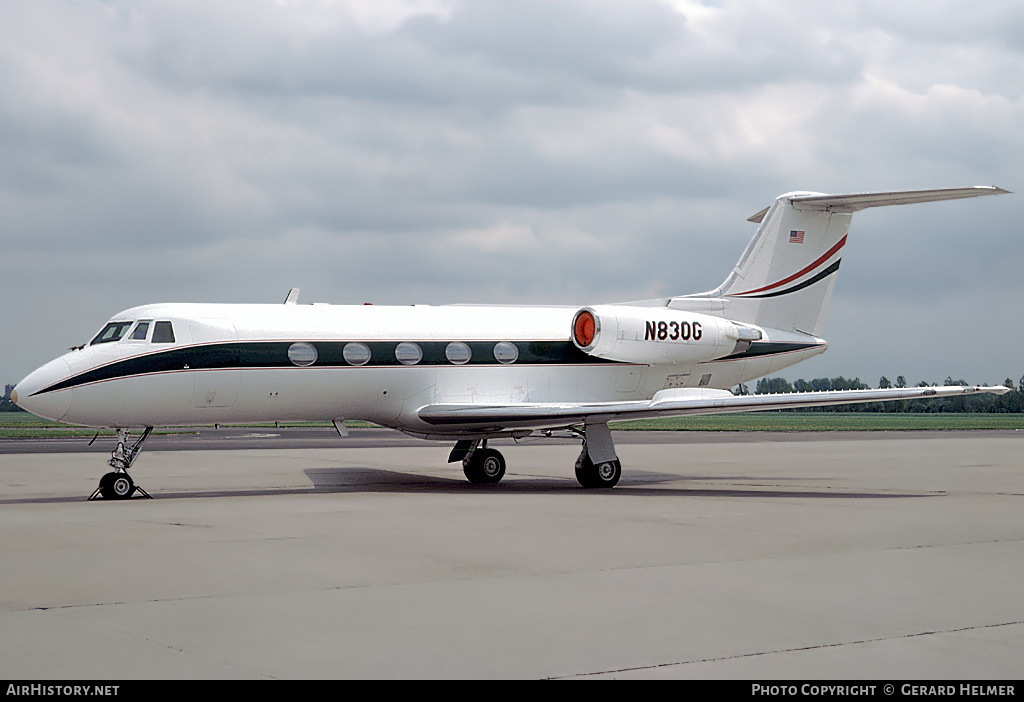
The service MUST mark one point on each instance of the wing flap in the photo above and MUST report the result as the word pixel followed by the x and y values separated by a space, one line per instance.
pixel 667 403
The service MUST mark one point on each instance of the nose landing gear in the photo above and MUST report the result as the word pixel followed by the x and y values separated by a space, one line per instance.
pixel 118 485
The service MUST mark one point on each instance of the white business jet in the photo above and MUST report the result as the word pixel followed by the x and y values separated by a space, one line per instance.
pixel 471 373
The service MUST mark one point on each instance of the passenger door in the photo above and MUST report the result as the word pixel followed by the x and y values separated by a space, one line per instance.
pixel 216 373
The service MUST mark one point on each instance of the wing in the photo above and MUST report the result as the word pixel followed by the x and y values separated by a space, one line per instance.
pixel 466 418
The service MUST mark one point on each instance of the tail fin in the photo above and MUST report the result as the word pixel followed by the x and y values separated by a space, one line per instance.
pixel 785 277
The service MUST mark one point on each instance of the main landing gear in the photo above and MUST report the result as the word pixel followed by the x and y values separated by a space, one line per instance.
pixel 482 465
pixel 597 466
pixel 601 475
pixel 118 485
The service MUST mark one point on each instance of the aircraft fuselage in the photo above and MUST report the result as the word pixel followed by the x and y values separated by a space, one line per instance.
pixel 236 363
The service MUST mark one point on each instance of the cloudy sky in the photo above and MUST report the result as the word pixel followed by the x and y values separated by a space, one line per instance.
pixel 536 151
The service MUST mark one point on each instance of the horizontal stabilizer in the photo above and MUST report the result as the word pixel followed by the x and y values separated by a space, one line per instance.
pixel 667 403
pixel 862 201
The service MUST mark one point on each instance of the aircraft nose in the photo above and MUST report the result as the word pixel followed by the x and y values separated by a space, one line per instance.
pixel 53 404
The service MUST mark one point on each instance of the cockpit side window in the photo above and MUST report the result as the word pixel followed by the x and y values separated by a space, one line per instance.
pixel 112 332
pixel 140 331
pixel 163 333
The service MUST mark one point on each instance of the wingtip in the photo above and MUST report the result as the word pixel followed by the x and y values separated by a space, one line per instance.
pixel 994 389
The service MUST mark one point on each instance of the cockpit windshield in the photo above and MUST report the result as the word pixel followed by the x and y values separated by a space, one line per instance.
pixel 140 332
pixel 112 332
pixel 163 333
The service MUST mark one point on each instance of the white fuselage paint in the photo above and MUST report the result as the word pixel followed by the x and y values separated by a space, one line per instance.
pixel 389 395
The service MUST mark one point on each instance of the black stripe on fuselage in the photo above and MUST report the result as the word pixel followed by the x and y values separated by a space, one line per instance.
pixel 274 354
pixel 767 348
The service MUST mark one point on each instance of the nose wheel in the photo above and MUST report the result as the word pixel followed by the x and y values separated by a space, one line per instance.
pixel 118 485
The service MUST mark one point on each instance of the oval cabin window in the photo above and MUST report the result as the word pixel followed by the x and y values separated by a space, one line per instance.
pixel 505 352
pixel 408 353
pixel 458 353
pixel 302 354
pixel 356 354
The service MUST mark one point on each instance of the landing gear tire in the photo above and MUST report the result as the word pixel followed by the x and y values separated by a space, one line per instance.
pixel 602 475
pixel 484 466
pixel 117 486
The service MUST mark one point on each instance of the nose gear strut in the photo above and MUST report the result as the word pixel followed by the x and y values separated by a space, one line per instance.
pixel 118 485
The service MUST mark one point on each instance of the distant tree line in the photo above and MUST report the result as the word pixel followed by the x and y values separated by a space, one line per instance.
pixel 1012 401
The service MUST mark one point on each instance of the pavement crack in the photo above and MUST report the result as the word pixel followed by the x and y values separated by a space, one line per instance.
pixel 797 649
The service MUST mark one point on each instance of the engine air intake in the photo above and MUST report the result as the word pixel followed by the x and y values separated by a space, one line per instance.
pixel 584 328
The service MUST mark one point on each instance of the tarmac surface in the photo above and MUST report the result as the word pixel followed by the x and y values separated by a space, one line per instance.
pixel 855 556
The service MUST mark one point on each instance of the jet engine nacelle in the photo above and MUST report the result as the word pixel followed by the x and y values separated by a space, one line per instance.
pixel 657 335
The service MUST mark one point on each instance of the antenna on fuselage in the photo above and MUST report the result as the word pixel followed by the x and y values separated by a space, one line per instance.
pixel 293 297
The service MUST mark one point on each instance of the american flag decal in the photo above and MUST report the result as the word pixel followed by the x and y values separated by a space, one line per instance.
pixel 796 237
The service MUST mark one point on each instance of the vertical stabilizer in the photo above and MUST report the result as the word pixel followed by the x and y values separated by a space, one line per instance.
pixel 785 277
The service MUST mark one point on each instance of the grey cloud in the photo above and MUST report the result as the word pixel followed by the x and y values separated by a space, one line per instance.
pixel 485 54
pixel 493 152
